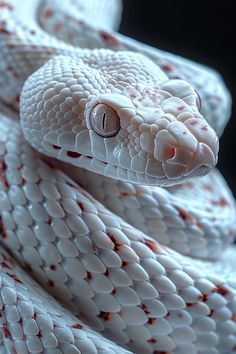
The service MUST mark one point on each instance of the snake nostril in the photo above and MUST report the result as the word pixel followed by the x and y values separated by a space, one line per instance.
pixel 170 152
pixel 164 152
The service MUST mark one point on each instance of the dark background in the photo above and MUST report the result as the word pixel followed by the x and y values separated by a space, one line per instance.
pixel 203 31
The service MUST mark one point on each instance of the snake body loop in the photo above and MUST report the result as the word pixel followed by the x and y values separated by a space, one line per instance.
pixel 109 198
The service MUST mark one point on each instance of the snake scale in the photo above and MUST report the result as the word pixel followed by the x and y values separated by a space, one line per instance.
pixel 116 230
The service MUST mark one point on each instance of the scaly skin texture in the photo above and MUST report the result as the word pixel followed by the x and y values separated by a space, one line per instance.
pixel 114 277
pixel 33 322
pixel 109 275
pixel 166 214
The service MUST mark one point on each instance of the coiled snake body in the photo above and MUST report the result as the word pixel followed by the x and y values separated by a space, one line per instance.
pixel 124 265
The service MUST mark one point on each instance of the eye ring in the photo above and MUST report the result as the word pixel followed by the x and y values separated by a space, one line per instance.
pixel 104 120
pixel 198 101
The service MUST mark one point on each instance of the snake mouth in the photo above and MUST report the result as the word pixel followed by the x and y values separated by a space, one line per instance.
pixel 114 171
pixel 94 164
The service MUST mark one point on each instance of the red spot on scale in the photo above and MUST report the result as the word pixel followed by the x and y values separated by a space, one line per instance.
pixel 152 341
pixel 4 181
pixel 106 316
pixel 53 267
pixel 77 326
pixel 4 236
pixel 151 320
pixel 211 313
pixel 153 245
pixel 17 280
pixel 73 154
pixel 5 4
pixel 1 226
pixel 222 202
pixel 203 298
pixel 6 332
pixel 125 194
pixel 39 335
pixel 138 193
pixel 16 100
pixel 80 205
pixel 181 108
pixel 58 27
pixel 221 290
pixel 205 128
pixel 108 37
pixel 48 13
pixel 5 265
pixel 208 187
pixel 50 283
pixel 195 122
pixel 3 166
pixel 231 232
pixel 49 221
pixel 56 147
pixel 89 275
pixel 167 68
pixel 144 308
pixel 117 246
pixel 233 318
pixel 28 267
pixel 187 217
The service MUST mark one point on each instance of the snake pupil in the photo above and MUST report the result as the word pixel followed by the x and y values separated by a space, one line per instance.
pixel 103 121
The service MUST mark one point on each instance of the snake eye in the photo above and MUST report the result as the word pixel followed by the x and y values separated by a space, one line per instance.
pixel 198 101
pixel 104 120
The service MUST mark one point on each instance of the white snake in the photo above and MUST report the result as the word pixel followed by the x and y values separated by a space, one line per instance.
pixel 116 114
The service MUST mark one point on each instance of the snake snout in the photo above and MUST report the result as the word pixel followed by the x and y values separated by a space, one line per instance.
pixel 185 149
pixel 206 154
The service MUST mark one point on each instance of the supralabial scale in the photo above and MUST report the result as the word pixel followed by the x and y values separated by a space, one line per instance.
pixel 116 230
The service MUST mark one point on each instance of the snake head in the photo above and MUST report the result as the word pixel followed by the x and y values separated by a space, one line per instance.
pixel 139 127
pixel 154 136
